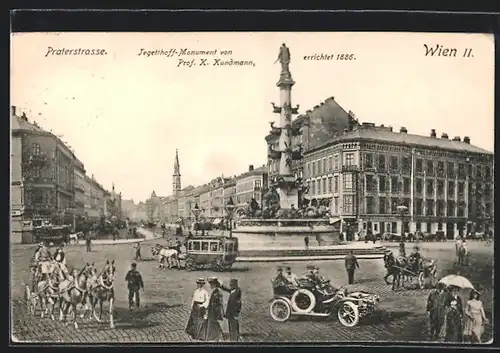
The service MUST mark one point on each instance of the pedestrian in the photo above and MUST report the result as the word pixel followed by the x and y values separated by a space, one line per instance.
pixel 88 241
pixel 432 311
pixel 443 302
pixel 137 248
pixel 474 318
pixel 135 284
pixel 306 242
pixel 453 324
pixel 458 244
pixel 233 309
pixel 198 308
pixel 210 328
pixel 351 263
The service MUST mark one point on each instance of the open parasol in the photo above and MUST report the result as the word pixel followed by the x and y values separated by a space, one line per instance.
pixel 457 281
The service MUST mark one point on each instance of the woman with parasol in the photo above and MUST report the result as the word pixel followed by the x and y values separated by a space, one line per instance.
pixel 475 318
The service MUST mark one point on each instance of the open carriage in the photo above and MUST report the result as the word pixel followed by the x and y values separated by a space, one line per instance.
pixel 215 252
pixel 424 271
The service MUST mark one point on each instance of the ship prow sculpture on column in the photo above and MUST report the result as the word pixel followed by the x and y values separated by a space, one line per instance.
pixel 279 226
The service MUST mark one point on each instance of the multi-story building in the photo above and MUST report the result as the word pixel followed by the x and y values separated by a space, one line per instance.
pixel 365 174
pixel 250 185
pixel 317 126
pixel 79 182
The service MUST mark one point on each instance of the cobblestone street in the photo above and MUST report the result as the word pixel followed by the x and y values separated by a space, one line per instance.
pixel 167 296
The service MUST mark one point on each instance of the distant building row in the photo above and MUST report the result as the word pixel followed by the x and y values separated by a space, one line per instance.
pixel 49 183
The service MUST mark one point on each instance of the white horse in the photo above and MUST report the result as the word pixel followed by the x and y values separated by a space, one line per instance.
pixel 165 254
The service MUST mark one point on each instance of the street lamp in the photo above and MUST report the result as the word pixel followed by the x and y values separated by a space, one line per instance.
pixel 402 211
pixel 196 211
pixel 230 208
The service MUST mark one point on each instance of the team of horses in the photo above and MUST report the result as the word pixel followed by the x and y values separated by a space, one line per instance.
pixel 170 255
pixel 85 288
pixel 402 269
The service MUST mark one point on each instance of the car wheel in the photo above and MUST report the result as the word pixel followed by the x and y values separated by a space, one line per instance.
pixel 348 314
pixel 421 280
pixel 280 310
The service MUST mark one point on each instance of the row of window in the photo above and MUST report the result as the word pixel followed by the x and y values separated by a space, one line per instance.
pixel 328 164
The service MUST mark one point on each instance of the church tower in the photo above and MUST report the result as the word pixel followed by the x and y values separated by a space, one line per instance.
pixel 176 187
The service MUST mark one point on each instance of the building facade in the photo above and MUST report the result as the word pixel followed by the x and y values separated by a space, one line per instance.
pixel 365 174
pixel 251 185
pixel 317 126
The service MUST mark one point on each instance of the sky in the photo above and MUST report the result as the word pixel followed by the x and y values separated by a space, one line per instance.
pixel 125 114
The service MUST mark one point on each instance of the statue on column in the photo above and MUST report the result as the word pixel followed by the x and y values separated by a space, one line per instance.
pixel 284 59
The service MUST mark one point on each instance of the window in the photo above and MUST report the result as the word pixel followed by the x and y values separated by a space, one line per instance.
pixel 381 183
pixel 470 170
pixel 204 246
pixel 258 184
pixel 229 247
pixel 451 189
pixel 430 187
pixel 35 149
pixel 336 205
pixel 440 188
pixel 419 207
pixel 429 209
pixel 394 227
pixel 36 171
pixel 330 164
pixel 313 187
pixel 318 182
pixel 418 186
pixel 419 167
pixel 394 162
pixel 461 210
pixel 349 159
pixel 348 204
pixel 381 162
pixel 325 190
pixel 461 170
pixel 450 169
pixel 381 205
pixel 487 172
pixel 440 208
pixel 406 185
pixel 336 184
pixel 336 161
pixel 348 182
pixel 430 167
pixel 330 185
pixel 394 184
pixel 369 183
pixel 370 205
pixel 406 164
pixel 308 169
pixel 320 167
pixel 214 246
pixel 478 171
pixel 368 160
pixel 418 226
pixel 451 209
pixel 313 168
pixel 324 165
pixel 440 168
pixel 394 205
pixel 461 186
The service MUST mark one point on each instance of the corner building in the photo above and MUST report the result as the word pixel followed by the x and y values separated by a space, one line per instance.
pixel 364 174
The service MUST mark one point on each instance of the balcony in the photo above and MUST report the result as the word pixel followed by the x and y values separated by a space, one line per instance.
pixel 37 159
pixel 350 168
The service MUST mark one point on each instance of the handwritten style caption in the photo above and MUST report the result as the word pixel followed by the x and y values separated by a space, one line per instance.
pixel 190 57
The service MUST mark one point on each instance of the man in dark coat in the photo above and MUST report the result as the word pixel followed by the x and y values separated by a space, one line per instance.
pixel 210 329
pixel 233 309
pixel 351 263
pixel 135 283
pixel 432 311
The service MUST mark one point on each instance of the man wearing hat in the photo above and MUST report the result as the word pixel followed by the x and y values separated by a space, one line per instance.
pixel 233 309
pixel 134 280
pixel 351 263
pixel 291 277
pixel 210 329
pixel 198 309
pixel 279 280
pixel 415 259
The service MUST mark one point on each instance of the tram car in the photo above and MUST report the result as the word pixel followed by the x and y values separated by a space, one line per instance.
pixel 218 253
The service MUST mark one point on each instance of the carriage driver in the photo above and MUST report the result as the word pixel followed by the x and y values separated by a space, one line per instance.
pixel 415 258
pixel 60 258
pixel 42 257
pixel 313 275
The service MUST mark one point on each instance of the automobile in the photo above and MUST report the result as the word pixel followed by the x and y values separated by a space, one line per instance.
pixel 321 301
pixel 214 252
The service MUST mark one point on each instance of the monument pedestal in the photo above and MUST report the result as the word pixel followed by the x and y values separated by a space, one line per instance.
pixel 288 198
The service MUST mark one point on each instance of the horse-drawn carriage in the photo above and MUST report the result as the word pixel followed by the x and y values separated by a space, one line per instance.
pixel 321 301
pixel 215 252
pixel 401 269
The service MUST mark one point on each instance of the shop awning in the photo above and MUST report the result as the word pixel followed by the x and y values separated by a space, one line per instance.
pixel 334 220
pixel 217 221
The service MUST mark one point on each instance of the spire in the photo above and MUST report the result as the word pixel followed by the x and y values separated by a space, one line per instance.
pixel 113 187
pixel 177 167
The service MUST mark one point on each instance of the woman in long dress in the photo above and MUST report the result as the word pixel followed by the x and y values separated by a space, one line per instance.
pixel 453 324
pixel 475 318
pixel 210 329
pixel 198 309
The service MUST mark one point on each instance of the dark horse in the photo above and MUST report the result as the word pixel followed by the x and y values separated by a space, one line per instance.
pixel 396 268
pixel 102 289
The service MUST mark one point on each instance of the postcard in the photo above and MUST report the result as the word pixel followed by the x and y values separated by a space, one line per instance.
pixel 252 187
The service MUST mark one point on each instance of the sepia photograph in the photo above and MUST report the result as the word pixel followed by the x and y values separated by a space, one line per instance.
pixel 252 187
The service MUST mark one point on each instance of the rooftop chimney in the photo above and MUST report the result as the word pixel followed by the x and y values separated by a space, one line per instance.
pixel 403 130
pixel 467 139
pixel 456 138
pixel 250 167
pixel 444 135
pixel 433 133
